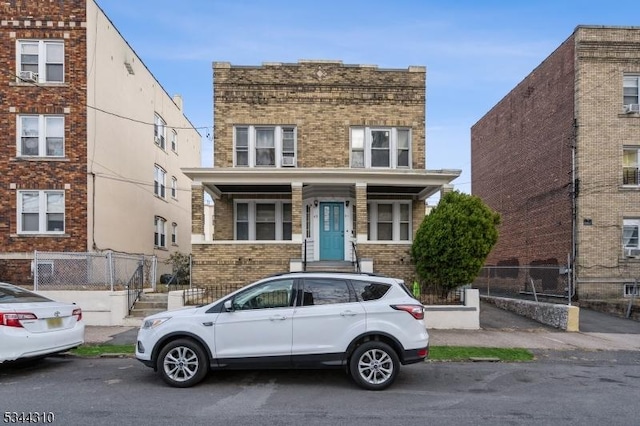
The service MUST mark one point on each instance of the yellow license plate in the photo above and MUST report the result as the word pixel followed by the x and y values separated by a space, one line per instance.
pixel 54 322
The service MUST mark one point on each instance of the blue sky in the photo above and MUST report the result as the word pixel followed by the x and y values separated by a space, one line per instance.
pixel 475 51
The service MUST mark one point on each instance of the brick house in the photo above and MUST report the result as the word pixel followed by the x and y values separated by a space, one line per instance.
pixel 92 145
pixel 558 158
pixel 315 163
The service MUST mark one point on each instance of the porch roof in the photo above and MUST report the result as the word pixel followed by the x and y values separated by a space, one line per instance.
pixel 422 183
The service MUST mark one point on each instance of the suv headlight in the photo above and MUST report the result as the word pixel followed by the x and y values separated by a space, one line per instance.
pixel 153 323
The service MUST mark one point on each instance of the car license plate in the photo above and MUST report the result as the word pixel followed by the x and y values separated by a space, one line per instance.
pixel 54 322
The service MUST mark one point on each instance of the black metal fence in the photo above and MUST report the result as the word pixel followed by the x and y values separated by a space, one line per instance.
pixel 206 295
pixel 426 295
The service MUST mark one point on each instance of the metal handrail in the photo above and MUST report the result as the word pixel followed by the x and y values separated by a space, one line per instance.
pixel 134 287
pixel 304 256
pixel 356 257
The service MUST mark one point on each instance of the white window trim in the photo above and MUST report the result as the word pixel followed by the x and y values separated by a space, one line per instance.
pixel 174 141
pixel 42 212
pixel 42 136
pixel 42 59
pixel 637 167
pixel 160 182
pixel 372 207
pixel 393 146
pixel 174 234
pixel 278 145
pixel 637 82
pixel 160 229
pixel 279 218
pixel 174 187
pixel 160 131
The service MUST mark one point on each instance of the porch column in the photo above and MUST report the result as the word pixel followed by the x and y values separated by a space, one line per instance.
pixel 197 212
pixel 361 212
pixel 296 211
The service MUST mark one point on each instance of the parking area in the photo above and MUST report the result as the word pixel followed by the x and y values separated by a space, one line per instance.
pixel 493 318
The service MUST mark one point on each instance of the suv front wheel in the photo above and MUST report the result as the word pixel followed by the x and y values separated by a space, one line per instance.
pixel 182 363
pixel 374 365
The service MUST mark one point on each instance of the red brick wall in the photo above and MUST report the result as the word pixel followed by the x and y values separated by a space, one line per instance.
pixel 521 163
pixel 40 19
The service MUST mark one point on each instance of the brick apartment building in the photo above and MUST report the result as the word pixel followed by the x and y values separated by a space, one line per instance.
pixel 311 160
pixel 558 157
pixel 92 145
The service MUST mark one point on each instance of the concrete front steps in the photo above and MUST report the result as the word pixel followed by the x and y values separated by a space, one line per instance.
pixel 330 266
pixel 148 304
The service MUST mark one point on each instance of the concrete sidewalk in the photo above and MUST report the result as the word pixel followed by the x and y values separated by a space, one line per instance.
pixel 528 339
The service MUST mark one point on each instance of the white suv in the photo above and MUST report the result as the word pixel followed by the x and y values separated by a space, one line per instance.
pixel 366 323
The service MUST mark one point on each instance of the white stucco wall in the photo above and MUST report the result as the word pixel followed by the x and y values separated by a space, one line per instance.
pixel 123 96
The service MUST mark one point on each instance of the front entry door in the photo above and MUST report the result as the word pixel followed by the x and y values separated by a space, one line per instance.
pixel 331 231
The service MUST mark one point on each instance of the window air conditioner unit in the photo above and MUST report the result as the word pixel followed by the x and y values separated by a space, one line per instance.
pixel 28 76
pixel 631 108
pixel 632 252
pixel 288 160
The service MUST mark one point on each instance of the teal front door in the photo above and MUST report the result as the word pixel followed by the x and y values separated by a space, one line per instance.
pixel 331 231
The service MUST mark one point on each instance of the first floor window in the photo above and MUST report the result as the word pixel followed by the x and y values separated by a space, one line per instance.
pixel 160 225
pixel 41 212
pixel 263 220
pixel 389 221
pixel 630 240
pixel 380 147
pixel 174 187
pixel 159 181
pixel 174 233
pixel 41 61
pixel 40 136
pixel 630 166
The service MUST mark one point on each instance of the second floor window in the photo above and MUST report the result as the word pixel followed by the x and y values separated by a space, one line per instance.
pixel 41 61
pixel 380 147
pixel 630 166
pixel 159 182
pixel 159 132
pixel 41 212
pixel 264 146
pixel 40 136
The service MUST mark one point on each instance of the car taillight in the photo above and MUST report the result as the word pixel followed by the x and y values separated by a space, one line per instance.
pixel 13 319
pixel 416 311
pixel 77 313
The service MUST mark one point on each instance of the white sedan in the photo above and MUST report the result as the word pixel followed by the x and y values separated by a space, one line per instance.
pixel 32 325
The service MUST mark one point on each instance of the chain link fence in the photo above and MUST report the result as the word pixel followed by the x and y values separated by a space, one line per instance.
pixel 91 271
pixel 550 282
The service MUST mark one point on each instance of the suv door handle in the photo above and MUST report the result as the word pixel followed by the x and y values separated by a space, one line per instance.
pixel 348 313
pixel 278 318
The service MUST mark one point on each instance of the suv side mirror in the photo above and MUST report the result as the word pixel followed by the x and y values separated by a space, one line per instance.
pixel 228 305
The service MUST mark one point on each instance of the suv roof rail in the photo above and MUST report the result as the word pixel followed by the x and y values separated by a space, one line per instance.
pixel 371 274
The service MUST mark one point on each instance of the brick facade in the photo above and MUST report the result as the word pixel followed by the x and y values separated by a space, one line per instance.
pixel 41 19
pixel 323 100
pixel 522 158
